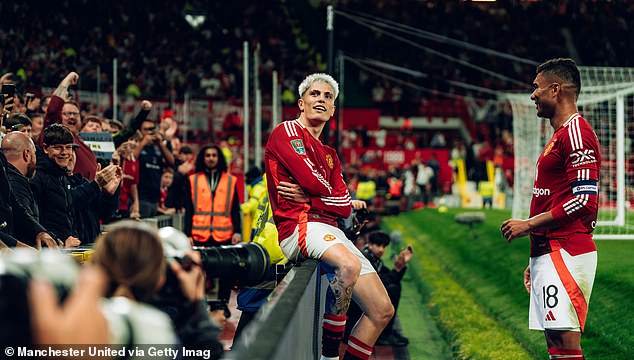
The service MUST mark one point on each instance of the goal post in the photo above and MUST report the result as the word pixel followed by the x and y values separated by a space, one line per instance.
pixel 607 102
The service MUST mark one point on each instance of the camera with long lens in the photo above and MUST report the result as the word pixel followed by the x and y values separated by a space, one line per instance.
pixel 244 264
pixel 359 220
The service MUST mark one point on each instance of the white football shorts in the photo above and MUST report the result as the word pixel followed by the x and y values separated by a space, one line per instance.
pixel 312 239
pixel 560 290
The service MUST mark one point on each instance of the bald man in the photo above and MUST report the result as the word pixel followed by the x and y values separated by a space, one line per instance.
pixel 20 152
pixel 18 212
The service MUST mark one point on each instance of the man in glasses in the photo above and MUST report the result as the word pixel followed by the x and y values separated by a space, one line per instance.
pixel 61 110
pixel 154 154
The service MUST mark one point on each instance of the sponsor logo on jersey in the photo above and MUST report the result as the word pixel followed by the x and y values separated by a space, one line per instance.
pixel 329 237
pixel 583 157
pixel 550 316
pixel 298 146
pixel 330 161
pixel 541 192
pixel 549 147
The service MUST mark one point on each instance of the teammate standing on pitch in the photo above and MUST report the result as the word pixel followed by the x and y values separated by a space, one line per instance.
pixel 563 214
pixel 307 224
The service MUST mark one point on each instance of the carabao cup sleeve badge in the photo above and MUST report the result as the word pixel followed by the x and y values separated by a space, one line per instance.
pixel 298 146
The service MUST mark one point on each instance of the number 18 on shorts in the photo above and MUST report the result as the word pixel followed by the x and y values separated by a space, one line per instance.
pixel 560 290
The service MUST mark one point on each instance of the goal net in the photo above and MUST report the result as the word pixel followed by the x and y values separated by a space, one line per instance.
pixel 607 102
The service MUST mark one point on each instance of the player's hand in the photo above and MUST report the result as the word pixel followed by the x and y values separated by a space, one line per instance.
pixel 527 279
pixel 515 228
pixel 292 192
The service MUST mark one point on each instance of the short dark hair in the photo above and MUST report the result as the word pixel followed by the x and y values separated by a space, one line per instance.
pixel 17 119
pixel 565 69
pixel 185 149
pixel 379 238
pixel 57 134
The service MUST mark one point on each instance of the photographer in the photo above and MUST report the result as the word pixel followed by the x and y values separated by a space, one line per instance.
pixel 391 279
pixel 132 256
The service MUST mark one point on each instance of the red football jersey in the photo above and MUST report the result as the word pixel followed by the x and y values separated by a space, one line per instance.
pixel 293 155
pixel 566 183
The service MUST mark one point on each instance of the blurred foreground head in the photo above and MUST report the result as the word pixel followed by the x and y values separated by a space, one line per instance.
pixel 131 254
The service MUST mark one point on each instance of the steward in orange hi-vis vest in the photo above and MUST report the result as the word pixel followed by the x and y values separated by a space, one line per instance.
pixel 212 210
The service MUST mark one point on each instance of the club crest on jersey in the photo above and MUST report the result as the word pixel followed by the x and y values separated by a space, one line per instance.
pixel 298 146
pixel 330 161
pixel 583 157
pixel 329 237
pixel 549 147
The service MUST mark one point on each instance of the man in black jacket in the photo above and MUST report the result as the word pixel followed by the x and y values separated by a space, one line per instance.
pixel 13 215
pixel 52 187
pixel 93 203
pixel 391 279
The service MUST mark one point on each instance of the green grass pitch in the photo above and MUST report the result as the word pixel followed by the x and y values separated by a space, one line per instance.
pixel 471 289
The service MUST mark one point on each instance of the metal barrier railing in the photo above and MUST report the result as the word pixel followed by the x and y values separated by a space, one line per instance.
pixel 289 325
pixel 175 220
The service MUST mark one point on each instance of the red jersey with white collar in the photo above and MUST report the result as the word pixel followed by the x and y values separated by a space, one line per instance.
pixel 293 155
pixel 566 183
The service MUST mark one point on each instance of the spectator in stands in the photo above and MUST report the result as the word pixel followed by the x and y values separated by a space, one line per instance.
pixel 185 166
pixel 18 122
pixel 154 155
pixel 115 126
pixel 226 151
pixel 52 187
pixel 307 225
pixel 93 204
pixel 366 188
pixel 378 242
pixel 167 179
pixel 132 255
pixel 435 166
pixel 19 150
pixel 424 176
pixel 91 124
pixel 37 124
pixel 212 206
pixel 62 111
pixel 46 100
pixel 410 190
pixel 18 217
pixel 129 196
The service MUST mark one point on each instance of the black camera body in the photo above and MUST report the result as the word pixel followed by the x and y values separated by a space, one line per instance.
pixel 360 218
pixel 243 265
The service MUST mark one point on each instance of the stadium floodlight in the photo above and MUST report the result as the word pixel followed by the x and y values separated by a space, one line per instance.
pixel 607 102
pixel 195 18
